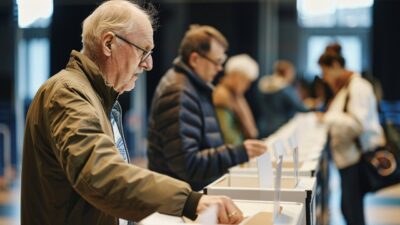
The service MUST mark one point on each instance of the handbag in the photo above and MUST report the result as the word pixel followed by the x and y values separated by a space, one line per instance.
pixel 379 168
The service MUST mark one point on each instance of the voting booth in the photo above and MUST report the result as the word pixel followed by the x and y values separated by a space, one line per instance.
pixel 265 185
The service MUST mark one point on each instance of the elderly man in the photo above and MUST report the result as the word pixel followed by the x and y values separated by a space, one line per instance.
pixel 233 112
pixel 75 166
pixel 184 136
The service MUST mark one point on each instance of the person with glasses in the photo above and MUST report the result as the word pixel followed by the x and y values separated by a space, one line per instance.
pixel 75 168
pixel 233 112
pixel 184 137
pixel 145 53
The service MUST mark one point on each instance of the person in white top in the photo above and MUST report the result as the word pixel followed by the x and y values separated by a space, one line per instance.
pixel 352 115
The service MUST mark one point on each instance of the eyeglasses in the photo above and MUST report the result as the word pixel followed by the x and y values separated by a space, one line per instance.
pixel 216 63
pixel 146 53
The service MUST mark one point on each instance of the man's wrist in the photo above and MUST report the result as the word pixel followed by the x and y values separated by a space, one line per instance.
pixel 190 208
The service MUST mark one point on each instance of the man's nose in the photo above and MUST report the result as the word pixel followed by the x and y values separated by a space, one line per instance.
pixel 147 64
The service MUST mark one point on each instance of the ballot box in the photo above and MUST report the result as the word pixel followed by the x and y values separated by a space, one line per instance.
pixel 247 187
pixel 254 212
pixel 305 169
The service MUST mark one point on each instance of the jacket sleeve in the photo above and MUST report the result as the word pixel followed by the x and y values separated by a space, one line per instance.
pixel 362 104
pixel 293 100
pixel 95 169
pixel 343 127
pixel 182 134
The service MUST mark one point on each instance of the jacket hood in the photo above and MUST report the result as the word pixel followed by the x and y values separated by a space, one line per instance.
pixel 182 67
pixel 82 63
pixel 271 83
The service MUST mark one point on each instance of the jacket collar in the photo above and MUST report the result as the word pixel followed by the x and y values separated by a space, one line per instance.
pixel 182 67
pixel 83 64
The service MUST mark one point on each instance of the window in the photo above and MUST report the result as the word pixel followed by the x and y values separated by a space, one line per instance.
pixel 351 50
pixel 35 69
pixel 34 13
pixel 33 56
pixel 334 13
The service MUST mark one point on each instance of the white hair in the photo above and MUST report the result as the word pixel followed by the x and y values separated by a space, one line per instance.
pixel 115 16
pixel 243 63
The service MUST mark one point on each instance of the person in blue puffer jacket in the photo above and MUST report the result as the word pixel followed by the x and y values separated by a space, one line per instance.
pixel 184 139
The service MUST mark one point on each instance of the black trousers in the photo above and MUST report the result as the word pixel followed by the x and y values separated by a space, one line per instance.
pixel 352 201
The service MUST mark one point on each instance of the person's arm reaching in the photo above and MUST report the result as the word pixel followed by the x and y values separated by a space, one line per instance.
pixel 98 173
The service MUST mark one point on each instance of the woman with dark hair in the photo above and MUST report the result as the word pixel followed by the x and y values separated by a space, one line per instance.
pixel 353 125
pixel 334 48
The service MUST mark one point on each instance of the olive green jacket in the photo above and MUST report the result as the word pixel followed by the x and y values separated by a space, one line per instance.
pixel 72 173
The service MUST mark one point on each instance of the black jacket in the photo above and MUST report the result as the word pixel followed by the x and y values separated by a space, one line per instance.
pixel 185 141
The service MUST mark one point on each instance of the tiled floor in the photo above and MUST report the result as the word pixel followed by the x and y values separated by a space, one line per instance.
pixel 382 208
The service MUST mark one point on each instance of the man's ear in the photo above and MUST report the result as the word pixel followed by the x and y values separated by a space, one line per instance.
pixel 193 59
pixel 107 42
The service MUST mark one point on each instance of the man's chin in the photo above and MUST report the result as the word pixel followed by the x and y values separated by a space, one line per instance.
pixel 129 88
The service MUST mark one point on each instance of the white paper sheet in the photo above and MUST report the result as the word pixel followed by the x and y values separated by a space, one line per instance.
pixel 265 172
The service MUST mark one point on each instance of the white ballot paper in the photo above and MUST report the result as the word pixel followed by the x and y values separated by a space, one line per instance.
pixel 265 173
pixel 279 150
pixel 209 216
pixel 277 197
pixel 295 148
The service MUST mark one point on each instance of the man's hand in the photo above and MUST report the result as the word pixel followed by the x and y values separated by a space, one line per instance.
pixel 228 212
pixel 254 147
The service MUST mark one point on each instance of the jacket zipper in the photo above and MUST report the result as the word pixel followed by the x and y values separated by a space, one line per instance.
pixel 117 106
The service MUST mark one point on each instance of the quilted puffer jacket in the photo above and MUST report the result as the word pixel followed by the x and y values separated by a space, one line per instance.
pixel 184 137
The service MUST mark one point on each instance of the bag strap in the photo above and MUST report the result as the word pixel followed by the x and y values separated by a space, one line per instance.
pixel 345 110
